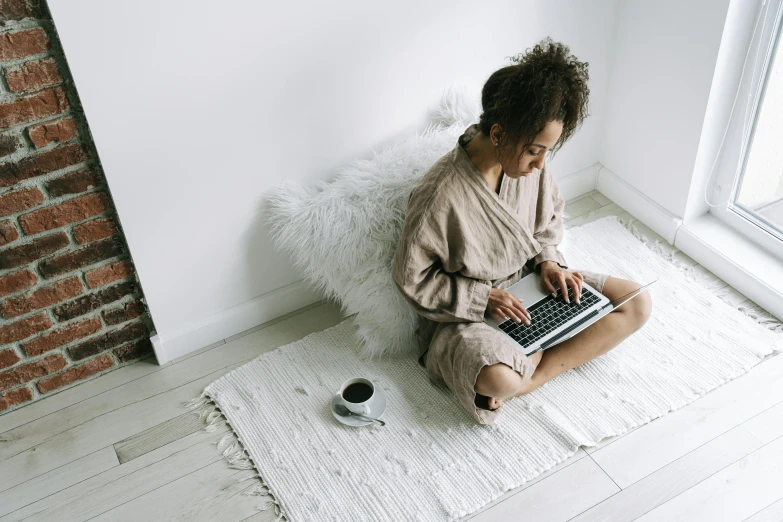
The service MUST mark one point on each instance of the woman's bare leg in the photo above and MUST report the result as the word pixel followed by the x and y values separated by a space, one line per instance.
pixel 596 339
pixel 593 341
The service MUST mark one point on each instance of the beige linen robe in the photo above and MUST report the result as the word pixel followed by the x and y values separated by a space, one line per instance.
pixel 460 238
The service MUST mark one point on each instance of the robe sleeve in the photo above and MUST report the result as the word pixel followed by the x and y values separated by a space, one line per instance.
pixel 550 233
pixel 419 275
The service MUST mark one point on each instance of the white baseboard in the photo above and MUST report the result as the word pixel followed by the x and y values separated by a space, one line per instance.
pixel 599 178
pixel 663 222
pixel 209 330
pixel 578 183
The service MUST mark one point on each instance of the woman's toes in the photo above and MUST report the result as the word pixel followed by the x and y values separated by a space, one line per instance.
pixel 495 403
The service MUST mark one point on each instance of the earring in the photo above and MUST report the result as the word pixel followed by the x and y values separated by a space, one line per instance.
pixel 496 144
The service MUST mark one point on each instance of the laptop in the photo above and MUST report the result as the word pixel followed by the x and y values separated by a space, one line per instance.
pixel 552 320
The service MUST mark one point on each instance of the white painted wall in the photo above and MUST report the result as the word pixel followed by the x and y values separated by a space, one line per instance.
pixel 198 107
pixel 663 68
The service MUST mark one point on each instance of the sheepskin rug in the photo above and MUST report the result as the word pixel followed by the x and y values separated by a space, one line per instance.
pixel 341 235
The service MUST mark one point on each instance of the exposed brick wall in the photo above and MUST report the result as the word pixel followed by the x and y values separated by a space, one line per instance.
pixel 71 306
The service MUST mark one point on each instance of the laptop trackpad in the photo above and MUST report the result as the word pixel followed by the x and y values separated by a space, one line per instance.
pixel 530 288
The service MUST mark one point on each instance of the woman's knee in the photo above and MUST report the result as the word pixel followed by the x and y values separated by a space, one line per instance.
pixel 642 308
pixel 498 380
pixel 638 309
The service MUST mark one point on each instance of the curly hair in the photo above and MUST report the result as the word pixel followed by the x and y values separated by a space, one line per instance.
pixel 546 83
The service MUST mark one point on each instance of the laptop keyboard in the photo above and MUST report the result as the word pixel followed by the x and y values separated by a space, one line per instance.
pixel 547 315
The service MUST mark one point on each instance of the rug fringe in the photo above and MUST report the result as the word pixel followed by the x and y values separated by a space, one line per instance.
pixel 234 453
pixel 687 270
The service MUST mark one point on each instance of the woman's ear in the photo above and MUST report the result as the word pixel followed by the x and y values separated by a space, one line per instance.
pixel 496 133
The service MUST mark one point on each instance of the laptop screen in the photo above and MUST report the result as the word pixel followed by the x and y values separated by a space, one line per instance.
pixel 620 300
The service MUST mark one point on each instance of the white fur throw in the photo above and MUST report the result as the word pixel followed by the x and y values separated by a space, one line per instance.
pixel 342 235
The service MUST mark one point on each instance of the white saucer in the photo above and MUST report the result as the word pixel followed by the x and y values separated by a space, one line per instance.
pixel 377 407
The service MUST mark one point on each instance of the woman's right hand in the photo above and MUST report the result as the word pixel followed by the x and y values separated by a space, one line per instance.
pixel 505 305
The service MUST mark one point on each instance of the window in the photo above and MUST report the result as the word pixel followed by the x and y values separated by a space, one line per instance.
pixel 748 189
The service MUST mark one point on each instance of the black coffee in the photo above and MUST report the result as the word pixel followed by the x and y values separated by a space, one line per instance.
pixel 357 392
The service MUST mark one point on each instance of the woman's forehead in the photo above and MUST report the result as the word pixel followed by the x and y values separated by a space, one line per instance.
pixel 548 137
pixel 551 133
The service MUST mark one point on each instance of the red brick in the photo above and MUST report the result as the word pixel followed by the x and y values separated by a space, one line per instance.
pixel 36 249
pixel 8 232
pixel 51 340
pixel 17 281
pixel 108 340
pixel 34 107
pixel 54 159
pixel 127 312
pixel 13 202
pixel 88 303
pixel 22 394
pixel 106 274
pixel 67 212
pixel 8 358
pixel 20 9
pixel 33 75
pixel 75 182
pixel 23 43
pixel 94 230
pixel 46 133
pixel 76 373
pixel 81 257
pixel 134 350
pixel 42 297
pixel 24 328
pixel 28 372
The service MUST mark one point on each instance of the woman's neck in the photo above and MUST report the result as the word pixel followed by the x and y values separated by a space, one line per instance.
pixel 481 153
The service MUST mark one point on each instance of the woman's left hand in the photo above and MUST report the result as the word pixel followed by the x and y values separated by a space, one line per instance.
pixel 552 273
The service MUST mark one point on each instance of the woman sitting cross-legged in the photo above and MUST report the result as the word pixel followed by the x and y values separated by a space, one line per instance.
pixel 485 215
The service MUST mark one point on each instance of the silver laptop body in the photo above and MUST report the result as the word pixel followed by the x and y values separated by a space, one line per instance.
pixel 556 319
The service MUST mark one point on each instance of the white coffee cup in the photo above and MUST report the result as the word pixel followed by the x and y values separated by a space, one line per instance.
pixel 362 408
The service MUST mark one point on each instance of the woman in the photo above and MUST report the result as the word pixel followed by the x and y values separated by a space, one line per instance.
pixel 487 214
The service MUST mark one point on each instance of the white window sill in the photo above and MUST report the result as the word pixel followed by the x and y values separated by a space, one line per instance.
pixel 740 262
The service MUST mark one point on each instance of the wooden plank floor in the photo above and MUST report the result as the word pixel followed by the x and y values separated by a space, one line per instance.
pixel 121 446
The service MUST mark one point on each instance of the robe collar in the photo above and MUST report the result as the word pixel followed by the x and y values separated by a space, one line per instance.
pixel 490 198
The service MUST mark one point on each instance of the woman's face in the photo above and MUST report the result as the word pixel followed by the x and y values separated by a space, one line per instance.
pixel 524 161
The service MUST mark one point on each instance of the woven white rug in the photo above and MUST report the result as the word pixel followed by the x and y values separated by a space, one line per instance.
pixel 431 461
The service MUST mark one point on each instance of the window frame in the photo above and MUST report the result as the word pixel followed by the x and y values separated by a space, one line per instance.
pixel 729 170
